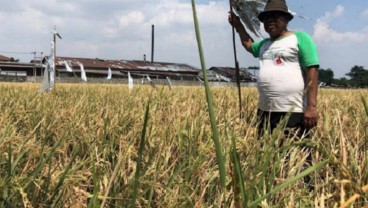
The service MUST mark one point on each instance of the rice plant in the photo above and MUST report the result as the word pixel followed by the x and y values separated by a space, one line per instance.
pixel 79 148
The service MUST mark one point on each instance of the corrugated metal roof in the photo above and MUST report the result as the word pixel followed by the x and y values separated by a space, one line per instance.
pixel 16 64
pixel 161 73
pixel 91 71
pixel 230 73
pixel 140 66
pixel 4 58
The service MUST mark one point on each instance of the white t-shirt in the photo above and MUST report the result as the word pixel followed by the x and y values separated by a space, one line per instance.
pixel 281 80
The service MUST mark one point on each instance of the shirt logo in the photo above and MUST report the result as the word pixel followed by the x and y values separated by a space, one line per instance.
pixel 274 54
pixel 277 59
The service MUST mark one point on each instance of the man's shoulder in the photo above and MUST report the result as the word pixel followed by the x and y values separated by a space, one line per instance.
pixel 262 41
pixel 257 45
pixel 302 35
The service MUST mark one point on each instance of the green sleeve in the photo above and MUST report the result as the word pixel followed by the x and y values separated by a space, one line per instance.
pixel 308 55
pixel 256 47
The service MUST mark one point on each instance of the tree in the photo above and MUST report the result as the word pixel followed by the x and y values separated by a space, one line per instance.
pixel 326 76
pixel 342 82
pixel 14 60
pixel 359 76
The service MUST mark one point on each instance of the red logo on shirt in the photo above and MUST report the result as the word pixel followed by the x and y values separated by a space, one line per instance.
pixel 278 60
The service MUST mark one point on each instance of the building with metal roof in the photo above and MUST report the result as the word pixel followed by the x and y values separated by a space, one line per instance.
pixel 4 58
pixel 228 74
pixel 99 68
pixel 120 68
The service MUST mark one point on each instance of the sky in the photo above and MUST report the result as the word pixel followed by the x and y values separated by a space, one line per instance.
pixel 121 29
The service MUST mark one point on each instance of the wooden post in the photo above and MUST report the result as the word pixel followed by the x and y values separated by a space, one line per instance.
pixel 54 62
pixel 153 43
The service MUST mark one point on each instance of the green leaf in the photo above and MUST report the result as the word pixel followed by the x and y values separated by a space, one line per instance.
pixel 219 156
pixel 287 183
pixel 140 153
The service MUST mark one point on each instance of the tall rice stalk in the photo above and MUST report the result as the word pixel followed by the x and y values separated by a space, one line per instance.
pixel 58 186
pixel 9 161
pixel 140 153
pixel 215 135
pixel 238 175
pixel 365 105
pixel 94 201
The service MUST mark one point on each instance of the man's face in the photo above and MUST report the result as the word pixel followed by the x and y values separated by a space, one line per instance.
pixel 275 23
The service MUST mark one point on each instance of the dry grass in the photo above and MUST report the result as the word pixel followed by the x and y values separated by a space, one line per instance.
pixel 97 129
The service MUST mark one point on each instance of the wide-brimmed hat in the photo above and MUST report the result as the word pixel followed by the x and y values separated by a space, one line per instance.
pixel 275 5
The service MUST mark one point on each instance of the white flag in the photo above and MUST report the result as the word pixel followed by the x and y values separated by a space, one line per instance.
pixel 68 68
pixel 218 77
pixel 45 85
pixel 169 82
pixel 151 82
pixel 200 81
pixel 130 81
pixel 48 78
pixel 109 73
pixel 51 65
pixel 83 73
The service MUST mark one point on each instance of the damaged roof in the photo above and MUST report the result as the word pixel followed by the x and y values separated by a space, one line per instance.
pixel 125 65
pixel 4 58
pixel 229 74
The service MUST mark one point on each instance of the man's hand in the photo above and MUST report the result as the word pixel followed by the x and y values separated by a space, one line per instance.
pixel 310 117
pixel 239 27
pixel 235 21
pixel 311 112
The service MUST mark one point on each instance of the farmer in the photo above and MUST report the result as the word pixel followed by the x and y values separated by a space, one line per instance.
pixel 288 76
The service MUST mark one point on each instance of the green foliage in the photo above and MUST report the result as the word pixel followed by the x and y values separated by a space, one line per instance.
pixel 342 82
pixel 326 76
pixel 359 76
pixel 215 134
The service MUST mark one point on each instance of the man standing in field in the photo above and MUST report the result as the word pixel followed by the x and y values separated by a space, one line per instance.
pixel 288 76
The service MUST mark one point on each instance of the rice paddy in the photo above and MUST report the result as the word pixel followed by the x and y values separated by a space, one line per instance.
pixel 103 145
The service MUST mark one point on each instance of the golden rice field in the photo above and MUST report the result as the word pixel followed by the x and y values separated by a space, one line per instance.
pixel 79 147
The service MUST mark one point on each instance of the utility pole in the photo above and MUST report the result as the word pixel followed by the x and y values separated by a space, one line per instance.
pixel 54 64
pixel 41 64
pixel 54 61
pixel 34 65
pixel 153 42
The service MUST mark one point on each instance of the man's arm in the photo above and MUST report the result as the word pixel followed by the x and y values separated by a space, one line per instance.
pixel 245 38
pixel 311 112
